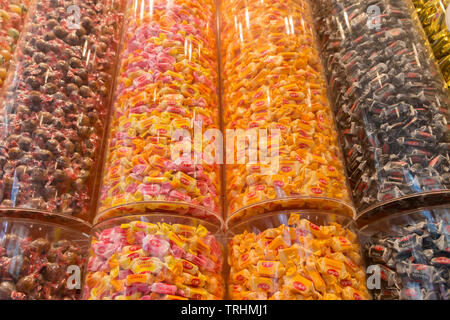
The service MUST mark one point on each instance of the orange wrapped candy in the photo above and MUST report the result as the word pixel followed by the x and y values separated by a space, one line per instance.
pixel 290 256
pixel 274 95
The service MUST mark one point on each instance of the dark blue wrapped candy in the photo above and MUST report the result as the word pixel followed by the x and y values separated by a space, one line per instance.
pixel 411 251
pixel 388 96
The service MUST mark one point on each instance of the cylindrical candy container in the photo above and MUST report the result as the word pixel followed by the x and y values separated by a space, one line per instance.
pixel 55 106
pixel 41 261
pixel 295 255
pixel 390 103
pixel 154 257
pixel 408 255
pixel 281 143
pixel 162 145
pixel 432 14
pixel 12 18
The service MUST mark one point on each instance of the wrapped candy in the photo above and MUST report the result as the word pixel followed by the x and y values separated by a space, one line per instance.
pixel 432 14
pixel 40 261
pixel 275 105
pixel 390 101
pixel 295 256
pixel 409 255
pixel 12 18
pixel 154 257
pixel 165 103
pixel 55 106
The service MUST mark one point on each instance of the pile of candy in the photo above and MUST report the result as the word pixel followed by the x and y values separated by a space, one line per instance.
pixel 432 16
pixel 413 261
pixel 165 101
pixel 302 261
pixel 272 80
pixel 55 106
pixel 37 269
pixel 146 261
pixel 12 18
pixel 391 103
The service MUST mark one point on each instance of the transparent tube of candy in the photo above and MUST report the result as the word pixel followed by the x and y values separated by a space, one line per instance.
pixel 407 255
pixel 55 107
pixel 281 144
pixel 295 255
pixel 436 23
pixel 41 260
pixel 390 101
pixel 13 14
pixel 163 139
pixel 154 257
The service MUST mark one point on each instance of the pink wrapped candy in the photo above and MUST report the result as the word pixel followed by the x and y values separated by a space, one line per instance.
pixel 166 98
pixel 154 257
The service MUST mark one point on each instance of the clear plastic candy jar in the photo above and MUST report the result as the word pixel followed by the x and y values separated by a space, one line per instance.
pixel 295 255
pixel 408 255
pixel 41 260
pixel 154 257
pixel 282 149
pixel 55 106
pixel 165 107
pixel 390 102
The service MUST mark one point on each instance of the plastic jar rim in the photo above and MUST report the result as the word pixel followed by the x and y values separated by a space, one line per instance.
pixel 234 215
pixel 29 221
pixel 46 217
pixel 154 217
pixel 379 205
pixel 399 215
pixel 346 221
pixel 99 217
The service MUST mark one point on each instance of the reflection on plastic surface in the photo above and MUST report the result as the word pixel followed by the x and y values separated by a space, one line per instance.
pixel 166 98
pixel 40 261
pixel 291 256
pixel 390 102
pixel 154 258
pixel 411 254
pixel 55 107
pixel 272 80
